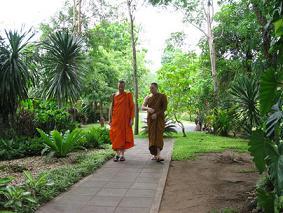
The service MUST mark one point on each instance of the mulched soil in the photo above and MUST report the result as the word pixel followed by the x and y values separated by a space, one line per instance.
pixel 35 165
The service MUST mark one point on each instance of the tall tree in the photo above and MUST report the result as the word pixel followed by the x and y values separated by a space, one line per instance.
pixel 199 14
pixel 177 76
pixel 77 16
pixel 132 5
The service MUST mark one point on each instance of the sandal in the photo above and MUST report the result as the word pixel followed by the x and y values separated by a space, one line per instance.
pixel 116 158
pixel 122 158
pixel 159 159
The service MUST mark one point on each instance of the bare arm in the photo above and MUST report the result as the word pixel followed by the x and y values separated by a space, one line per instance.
pixel 145 106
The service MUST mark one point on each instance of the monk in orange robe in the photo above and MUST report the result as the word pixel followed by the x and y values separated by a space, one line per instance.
pixel 121 117
pixel 155 104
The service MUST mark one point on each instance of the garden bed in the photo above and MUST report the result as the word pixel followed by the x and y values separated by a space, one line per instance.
pixel 36 165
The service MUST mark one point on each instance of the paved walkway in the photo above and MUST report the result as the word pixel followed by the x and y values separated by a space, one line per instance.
pixel 133 186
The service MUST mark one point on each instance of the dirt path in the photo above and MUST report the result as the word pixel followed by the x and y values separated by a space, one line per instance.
pixel 211 182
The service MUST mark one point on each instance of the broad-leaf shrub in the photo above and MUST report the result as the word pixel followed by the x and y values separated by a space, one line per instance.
pixel 20 147
pixel 95 137
pixel 61 144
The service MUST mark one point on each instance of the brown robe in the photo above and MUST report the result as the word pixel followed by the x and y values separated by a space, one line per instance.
pixel 158 102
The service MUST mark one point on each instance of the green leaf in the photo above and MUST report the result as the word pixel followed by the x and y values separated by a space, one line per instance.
pixel 278 26
pixel 269 93
pixel 274 118
pixel 58 141
pixel 276 169
pixel 265 200
pixel 5 181
pixel 258 147
pixel 280 175
pixel 46 139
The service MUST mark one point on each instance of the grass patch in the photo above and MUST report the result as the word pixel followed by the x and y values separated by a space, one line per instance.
pixel 198 142
pixel 89 126
pixel 65 177
pixel 226 210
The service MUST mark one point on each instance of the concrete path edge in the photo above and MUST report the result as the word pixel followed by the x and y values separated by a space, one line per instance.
pixel 162 182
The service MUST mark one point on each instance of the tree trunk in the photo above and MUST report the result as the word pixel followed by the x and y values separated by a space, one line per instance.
pixel 101 109
pixel 181 125
pixel 212 53
pixel 79 30
pixel 134 62
pixel 74 16
pixel 266 37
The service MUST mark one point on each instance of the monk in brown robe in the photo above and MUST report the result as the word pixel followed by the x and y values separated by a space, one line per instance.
pixel 155 104
pixel 121 115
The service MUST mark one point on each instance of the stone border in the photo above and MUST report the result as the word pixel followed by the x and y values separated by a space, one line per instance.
pixel 162 182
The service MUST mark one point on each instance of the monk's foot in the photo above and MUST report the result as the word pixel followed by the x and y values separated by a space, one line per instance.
pixel 154 158
pixel 122 158
pixel 159 159
pixel 116 158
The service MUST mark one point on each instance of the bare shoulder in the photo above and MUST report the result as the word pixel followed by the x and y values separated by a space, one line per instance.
pixel 148 97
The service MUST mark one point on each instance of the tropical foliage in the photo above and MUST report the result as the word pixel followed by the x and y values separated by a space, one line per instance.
pixel 61 144
pixel 15 76
pixel 62 65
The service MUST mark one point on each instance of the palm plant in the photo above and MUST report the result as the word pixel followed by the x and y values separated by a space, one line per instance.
pixel 245 93
pixel 61 144
pixel 62 67
pixel 15 76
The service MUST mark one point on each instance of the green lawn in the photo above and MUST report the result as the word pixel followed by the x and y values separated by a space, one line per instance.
pixel 88 126
pixel 198 142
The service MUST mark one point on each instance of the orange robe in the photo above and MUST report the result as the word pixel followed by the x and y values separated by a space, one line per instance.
pixel 121 133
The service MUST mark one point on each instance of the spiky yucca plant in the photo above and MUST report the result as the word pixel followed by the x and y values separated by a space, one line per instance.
pixel 15 76
pixel 63 68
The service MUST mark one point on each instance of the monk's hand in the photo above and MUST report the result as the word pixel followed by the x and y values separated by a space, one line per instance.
pixel 131 122
pixel 109 123
pixel 154 116
pixel 150 110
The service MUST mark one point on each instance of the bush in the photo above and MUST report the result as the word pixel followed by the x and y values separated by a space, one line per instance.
pixel 96 136
pixel 45 115
pixel 20 147
pixel 25 123
pixel 23 198
pixel 15 198
pixel 61 144
pixel 222 122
